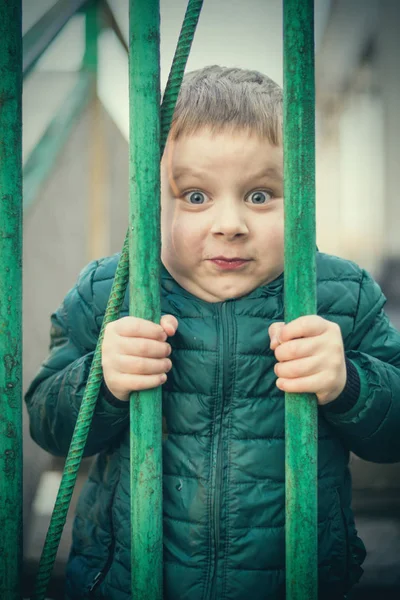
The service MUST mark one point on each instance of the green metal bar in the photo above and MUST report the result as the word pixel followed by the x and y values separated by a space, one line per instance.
pixel 113 309
pixel 52 142
pixel 39 37
pixel 11 300
pixel 300 293
pixel 144 292
pixel 43 157
pixel 92 26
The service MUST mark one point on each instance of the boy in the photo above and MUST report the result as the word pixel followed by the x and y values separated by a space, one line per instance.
pixel 232 355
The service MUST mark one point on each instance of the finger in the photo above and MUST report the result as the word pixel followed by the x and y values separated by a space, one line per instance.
pixel 274 334
pixel 301 385
pixel 135 327
pixel 169 324
pixel 296 349
pixel 308 326
pixel 143 347
pixel 137 365
pixel 136 383
pixel 298 368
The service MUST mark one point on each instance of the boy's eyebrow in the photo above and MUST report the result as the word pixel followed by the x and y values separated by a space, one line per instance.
pixel 270 172
pixel 180 172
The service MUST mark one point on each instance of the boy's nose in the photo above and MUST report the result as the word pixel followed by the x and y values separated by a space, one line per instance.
pixel 230 223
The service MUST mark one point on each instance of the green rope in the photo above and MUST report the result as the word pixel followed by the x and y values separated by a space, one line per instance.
pixel 114 305
pixel 178 67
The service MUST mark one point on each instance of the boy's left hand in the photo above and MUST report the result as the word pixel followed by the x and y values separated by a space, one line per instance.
pixel 310 356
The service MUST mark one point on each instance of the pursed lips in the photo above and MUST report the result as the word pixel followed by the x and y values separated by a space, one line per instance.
pixel 228 259
pixel 225 263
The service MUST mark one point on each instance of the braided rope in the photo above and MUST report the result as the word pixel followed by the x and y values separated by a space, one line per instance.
pixel 114 304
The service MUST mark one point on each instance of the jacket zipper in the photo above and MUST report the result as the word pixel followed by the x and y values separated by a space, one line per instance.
pixel 219 462
pixel 101 575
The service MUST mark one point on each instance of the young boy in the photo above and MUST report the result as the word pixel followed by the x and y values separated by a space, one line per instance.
pixel 233 357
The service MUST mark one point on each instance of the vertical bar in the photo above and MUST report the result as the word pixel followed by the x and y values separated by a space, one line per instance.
pixel 10 300
pixel 300 293
pixel 144 290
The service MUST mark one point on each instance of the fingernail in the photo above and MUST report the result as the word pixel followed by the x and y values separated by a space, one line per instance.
pixel 163 378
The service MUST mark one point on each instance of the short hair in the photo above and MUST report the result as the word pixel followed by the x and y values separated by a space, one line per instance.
pixel 222 98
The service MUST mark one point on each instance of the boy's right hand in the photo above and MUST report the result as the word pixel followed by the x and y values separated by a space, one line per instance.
pixel 134 354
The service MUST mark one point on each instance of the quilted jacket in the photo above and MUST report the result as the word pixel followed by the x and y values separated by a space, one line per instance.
pixel 223 452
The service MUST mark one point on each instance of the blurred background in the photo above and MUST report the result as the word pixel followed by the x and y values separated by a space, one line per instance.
pixel 75 150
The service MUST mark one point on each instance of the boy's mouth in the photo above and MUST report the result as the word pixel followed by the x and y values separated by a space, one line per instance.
pixel 229 264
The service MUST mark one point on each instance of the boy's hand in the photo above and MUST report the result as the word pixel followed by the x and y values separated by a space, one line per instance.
pixel 134 354
pixel 311 357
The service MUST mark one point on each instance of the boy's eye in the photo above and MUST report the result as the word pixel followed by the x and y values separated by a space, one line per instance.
pixel 196 198
pixel 259 197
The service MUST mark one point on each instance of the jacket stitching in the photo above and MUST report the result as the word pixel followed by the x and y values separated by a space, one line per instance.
pixel 198 478
pixel 339 279
pixel 183 317
pixel 182 433
pixel 360 282
pixel 180 392
pixel 187 566
pixel 178 520
pixel 280 526
pixel 194 350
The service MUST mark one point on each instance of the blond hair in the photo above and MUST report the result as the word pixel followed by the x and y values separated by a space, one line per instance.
pixel 222 98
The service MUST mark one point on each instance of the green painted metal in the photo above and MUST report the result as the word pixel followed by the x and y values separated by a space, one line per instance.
pixel 112 312
pixel 40 164
pixel 144 292
pixel 92 29
pixel 300 293
pixel 11 300
pixel 181 55
pixel 40 36
pixel 44 156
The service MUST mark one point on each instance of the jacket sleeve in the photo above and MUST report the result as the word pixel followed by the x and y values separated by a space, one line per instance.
pixel 55 395
pixel 371 428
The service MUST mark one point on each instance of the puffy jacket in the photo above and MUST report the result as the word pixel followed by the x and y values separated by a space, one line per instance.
pixel 223 452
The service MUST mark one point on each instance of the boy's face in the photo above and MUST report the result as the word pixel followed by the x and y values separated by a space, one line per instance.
pixel 221 198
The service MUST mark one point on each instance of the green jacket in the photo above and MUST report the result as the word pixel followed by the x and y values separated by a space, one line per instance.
pixel 223 453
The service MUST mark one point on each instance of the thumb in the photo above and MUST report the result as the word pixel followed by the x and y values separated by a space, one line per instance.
pixel 170 324
pixel 274 333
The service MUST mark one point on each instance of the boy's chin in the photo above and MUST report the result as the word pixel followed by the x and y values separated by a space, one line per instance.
pixel 230 290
